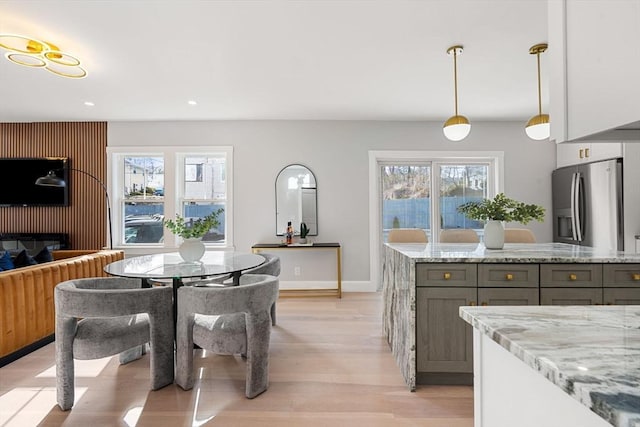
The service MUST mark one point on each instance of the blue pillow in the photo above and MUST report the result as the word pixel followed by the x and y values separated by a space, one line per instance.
pixel 5 262
pixel 23 259
pixel 43 256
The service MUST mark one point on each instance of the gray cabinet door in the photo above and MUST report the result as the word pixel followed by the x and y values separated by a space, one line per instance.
pixel 444 342
pixel 621 275
pixel 570 296
pixel 508 296
pixel 622 296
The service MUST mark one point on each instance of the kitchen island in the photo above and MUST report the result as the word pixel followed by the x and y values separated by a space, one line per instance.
pixel 424 286
pixel 556 366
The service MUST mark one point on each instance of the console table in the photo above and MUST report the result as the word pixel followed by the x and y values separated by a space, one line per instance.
pixel 269 247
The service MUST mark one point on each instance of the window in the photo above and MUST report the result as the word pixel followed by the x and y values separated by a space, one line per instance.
pixel 423 189
pixel 148 185
pixel 407 189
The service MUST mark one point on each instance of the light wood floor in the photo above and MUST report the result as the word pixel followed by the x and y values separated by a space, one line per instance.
pixel 330 366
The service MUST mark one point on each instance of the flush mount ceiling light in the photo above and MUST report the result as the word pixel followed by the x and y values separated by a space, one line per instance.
pixel 538 126
pixel 34 53
pixel 457 127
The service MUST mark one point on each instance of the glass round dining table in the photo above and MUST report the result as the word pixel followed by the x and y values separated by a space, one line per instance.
pixel 172 266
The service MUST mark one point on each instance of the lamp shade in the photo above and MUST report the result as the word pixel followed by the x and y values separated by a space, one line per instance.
pixel 51 180
pixel 456 128
pixel 538 127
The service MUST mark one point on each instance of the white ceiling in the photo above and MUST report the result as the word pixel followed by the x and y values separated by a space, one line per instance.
pixel 277 60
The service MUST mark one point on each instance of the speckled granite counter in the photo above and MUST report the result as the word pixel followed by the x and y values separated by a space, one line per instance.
pixel 591 352
pixel 512 252
pixel 399 282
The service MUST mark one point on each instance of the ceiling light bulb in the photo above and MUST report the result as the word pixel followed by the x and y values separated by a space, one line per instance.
pixel 192 103
pixel 538 127
pixel 456 128
pixel 89 104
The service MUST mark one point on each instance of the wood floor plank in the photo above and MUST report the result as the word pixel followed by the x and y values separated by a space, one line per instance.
pixel 329 366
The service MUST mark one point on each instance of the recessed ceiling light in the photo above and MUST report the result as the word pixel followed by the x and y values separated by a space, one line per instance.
pixel 192 102
pixel 89 103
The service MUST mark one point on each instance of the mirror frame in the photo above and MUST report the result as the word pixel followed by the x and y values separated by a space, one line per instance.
pixel 313 230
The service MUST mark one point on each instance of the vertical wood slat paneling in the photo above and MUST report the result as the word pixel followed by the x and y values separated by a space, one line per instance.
pixel 85 145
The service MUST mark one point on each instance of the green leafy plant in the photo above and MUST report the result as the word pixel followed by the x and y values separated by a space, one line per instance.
pixel 304 230
pixel 193 229
pixel 502 208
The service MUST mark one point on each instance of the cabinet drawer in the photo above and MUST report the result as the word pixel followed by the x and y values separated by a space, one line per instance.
pixel 576 296
pixel 445 275
pixel 508 296
pixel 570 275
pixel 621 275
pixel 508 275
pixel 621 296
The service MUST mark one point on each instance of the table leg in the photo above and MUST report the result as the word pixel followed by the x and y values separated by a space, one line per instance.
pixel 236 278
pixel 177 282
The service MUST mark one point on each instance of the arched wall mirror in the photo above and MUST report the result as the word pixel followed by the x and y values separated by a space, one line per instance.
pixel 296 199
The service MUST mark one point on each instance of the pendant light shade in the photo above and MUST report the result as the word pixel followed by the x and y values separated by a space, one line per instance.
pixel 538 127
pixel 457 127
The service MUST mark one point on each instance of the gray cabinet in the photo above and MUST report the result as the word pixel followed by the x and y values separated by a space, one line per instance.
pixel 621 284
pixel 444 342
pixel 508 296
pixel 570 296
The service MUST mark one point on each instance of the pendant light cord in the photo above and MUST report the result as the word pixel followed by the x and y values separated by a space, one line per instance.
pixel 539 89
pixel 455 78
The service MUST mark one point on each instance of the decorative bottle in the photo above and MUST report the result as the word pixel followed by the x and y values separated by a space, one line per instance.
pixel 289 233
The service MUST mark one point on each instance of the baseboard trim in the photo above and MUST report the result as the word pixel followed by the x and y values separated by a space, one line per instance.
pixel 12 357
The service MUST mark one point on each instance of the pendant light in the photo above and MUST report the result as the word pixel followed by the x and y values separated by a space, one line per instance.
pixel 538 126
pixel 457 127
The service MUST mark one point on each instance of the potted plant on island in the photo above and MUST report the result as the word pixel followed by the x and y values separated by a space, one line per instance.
pixel 304 230
pixel 498 210
pixel 192 248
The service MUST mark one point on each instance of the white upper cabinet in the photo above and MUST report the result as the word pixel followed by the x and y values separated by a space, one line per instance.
pixel 594 56
pixel 573 153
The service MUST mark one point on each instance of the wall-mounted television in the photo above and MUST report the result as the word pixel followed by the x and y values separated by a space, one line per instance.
pixel 18 181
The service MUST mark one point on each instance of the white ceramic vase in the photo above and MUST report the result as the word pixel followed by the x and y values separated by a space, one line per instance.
pixel 494 235
pixel 191 250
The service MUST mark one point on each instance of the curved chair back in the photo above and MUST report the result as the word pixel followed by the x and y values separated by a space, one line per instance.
pixel 103 316
pixel 224 320
pixel 271 266
pixel 407 235
pixel 519 235
pixel 459 235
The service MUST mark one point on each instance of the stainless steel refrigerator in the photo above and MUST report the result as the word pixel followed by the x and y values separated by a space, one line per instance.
pixel 588 205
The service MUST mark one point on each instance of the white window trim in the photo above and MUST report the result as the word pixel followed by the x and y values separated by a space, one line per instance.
pixel 172 156
pixel 495 158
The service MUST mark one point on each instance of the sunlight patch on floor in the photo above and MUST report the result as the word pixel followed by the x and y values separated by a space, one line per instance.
pixel 83 368
pixel 26 406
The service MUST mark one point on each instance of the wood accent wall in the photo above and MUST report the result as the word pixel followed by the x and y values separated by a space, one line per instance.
pixel 85 144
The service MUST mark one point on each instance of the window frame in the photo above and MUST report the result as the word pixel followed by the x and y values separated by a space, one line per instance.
pixel 173 191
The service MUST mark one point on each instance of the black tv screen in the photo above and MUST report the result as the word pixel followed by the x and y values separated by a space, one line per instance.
pixel 19 175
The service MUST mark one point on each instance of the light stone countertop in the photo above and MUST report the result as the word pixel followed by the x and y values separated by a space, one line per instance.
pixel 511 253
pixel 590 352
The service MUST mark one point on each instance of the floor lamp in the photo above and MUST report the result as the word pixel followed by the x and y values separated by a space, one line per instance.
pixel 52 180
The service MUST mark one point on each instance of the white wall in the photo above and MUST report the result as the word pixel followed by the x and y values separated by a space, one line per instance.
pixel 337 153
pixel 631 195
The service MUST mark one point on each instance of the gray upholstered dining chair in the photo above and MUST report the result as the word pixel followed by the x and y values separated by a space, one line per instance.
pixel 227 320
pixel 459 235
pixel 104 316
pixel 271 267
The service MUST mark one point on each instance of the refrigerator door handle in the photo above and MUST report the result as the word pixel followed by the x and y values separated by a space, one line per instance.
pixel 573 206
pixel 576 198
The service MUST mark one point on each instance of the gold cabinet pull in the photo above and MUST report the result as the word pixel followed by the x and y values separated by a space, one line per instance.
pixel 473 303
pixel 509 276
pixel 447 276
pixel 573 277
pixel 586 152
pixel 484 303
pixel 636 276
pixel 582 153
